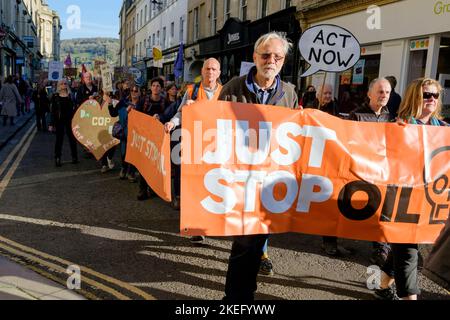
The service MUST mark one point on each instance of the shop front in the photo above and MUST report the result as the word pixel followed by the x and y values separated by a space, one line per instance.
pixel 412 40
pixel 234 43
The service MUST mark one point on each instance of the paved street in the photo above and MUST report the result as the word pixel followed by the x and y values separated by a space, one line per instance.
pixel 52 218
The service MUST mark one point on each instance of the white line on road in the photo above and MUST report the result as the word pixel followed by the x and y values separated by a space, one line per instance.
pixel 5 181
pixel 107 233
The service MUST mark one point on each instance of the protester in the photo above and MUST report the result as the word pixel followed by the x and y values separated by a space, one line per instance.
pixel 41 105
pixel 87 90
pixel 121 110
pixel 207 89
pixel 10 98
pixel 437 264
pixel 376 111
pixel 62 111
pixel 261 85
pixel 394 99
pixel 325 100
pixel 421 106
pixel 153 106
pixel 309 97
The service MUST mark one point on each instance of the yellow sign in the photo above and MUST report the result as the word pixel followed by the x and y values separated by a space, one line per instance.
pixel 157 53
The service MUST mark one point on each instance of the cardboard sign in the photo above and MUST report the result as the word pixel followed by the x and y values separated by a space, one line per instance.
pixel 55 70
pixel 70 72
pixel 107 77
pixel 148 149
pixel 328 48
pixel 251 169
pixel 92 127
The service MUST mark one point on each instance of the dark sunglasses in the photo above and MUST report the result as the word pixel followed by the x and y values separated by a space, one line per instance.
pixel 428 95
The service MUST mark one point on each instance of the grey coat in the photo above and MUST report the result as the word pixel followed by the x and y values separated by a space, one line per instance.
pixel 9 96
pixel 437 265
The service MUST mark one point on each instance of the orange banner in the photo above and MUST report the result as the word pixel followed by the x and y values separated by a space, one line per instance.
pixel 250 169
pixel 148 149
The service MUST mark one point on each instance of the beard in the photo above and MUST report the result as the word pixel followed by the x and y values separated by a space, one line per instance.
pixel 267 72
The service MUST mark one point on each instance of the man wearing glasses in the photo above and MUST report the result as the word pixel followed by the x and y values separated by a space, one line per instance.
pixel 262 85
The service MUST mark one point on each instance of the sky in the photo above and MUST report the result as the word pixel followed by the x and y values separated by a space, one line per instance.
pixel 88 18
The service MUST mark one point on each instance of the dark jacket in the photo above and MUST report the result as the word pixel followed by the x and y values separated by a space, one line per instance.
pixel 62 110
pixel 84 93
pixel 330 108
pixel 366 114
pixel 393 104
pixel 41 101
pixel 437 265
pixel 241 90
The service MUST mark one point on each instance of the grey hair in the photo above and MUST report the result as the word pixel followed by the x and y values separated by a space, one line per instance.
pixel 287 45
pixel 372 83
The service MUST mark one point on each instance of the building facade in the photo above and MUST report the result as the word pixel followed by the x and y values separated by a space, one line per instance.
pixel 227 30
pixel 30 37
pixel 407 39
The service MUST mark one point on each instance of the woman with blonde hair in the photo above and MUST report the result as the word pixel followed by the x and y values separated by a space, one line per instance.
pixel 421 105
pixel 62 110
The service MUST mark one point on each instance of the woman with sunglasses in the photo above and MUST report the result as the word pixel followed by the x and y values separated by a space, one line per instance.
pixel 421 106
pixel 125 105
pixel 62 111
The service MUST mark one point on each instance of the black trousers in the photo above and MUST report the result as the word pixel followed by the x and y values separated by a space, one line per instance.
pixel 109 154
pixel 61 129
pixel 243 267
pixel 41 122
pixel 402 265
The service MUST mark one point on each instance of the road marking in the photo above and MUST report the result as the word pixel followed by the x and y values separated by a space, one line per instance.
pixel 5 181
pixel 106 233
pixel 14 151
pixel 60 269
pixel 84 270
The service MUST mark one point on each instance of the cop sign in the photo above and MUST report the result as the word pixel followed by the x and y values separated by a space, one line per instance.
pixel 329 48
pixel 92 127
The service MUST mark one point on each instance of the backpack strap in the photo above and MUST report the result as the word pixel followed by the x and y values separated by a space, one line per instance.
pixel 195 91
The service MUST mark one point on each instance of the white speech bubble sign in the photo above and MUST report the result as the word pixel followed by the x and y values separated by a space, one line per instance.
pixel 328 48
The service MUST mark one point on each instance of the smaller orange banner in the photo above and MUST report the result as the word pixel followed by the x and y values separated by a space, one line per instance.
pixel 148 149
pixel 92 127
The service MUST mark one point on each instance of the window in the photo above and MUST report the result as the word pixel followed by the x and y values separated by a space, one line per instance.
pixel 213 17
pixel 287 3
pixel 145 13
pixel 140 49
pixel 137 22
pixel 164 38
pixel 243 11
pixel 157 38
pixel 263 8
pixel 181 29
pixel 142 17
pixel 196 24
pixel 227 10
pixel 154 40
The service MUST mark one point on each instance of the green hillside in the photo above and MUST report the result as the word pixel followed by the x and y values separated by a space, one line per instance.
pixel 85 50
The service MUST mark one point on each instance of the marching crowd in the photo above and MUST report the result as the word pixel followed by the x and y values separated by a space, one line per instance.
pixel 421 105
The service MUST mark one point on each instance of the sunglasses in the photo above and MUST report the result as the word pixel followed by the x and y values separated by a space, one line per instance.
pixel 428 95
pixel 266 56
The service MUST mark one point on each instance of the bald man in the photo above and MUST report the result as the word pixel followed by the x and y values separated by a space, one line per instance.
pixel 376 111
pixel 207 89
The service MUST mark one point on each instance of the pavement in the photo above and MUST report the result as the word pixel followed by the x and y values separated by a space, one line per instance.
pixel 8 132
pixel 16 281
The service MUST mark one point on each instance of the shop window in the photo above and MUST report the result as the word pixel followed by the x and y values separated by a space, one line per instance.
pixel 417 64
